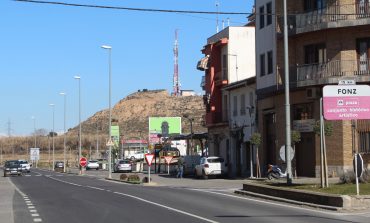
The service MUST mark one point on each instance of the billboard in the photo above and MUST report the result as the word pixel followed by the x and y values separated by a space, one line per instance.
pixel 115 134
pixel 163 126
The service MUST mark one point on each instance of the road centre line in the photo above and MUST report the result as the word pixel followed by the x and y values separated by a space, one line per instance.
pixel 141 199
pixel 167 207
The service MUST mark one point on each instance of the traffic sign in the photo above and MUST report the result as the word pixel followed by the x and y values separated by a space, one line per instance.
pixel 83 161
pixel 168 159
pixel 360 164
pixel 282 153
pixel 149 159
pixel 346 102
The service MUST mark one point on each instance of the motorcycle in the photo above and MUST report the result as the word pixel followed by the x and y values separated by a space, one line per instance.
pixel 274 171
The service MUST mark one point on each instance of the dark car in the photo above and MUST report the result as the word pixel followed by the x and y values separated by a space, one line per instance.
pixel 12 167
pixel 59 166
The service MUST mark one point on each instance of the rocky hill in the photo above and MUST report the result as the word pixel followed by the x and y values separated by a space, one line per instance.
pixel 132 113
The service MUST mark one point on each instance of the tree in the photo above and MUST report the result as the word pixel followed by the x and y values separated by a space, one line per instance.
pixel 256 141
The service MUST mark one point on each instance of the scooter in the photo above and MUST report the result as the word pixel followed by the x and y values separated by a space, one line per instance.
pixel 274 171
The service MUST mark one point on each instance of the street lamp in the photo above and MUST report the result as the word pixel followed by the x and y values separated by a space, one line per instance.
pixel 64 132
pixel 109 48
pixel 52 136
pixel 79 118
pixel 34 132
pixel 191 132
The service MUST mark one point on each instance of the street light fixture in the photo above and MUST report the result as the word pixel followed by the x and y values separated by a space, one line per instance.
pixel 109 48
pixel 191 133
pixel 64 131
pixel 79 118
pixel 52 135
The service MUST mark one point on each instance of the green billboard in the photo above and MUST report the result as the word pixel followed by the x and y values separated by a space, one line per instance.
pixel 164 125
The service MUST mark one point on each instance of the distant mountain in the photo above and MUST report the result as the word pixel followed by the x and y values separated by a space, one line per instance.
pixel 132 113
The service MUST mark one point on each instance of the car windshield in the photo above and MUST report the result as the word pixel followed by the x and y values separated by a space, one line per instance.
pixel 93 161
pixel 12 163
pixel 124 161
pixel 215 160
pixel 23 162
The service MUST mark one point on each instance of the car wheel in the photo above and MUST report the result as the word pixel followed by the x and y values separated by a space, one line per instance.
pixel 204 175
pixel 97 168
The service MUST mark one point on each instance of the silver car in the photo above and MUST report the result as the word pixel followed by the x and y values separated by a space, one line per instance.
pixel 123 166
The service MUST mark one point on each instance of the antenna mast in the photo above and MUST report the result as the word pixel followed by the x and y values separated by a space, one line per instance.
pixel 176 82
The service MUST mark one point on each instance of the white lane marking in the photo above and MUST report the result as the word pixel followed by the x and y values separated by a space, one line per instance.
pixel 33 210
pixel 37 220
pixel 167 207
pixel 63 181
pixel 96 188
pixel 31 207
pixel 29 204
pixel 35 215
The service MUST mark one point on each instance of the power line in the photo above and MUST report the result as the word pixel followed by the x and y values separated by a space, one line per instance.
pixel 132 9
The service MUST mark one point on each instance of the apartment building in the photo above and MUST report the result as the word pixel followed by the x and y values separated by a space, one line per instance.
pixel 329 40
pixel 228 65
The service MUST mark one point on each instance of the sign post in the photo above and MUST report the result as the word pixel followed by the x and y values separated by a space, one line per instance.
pixel 149 159
pixel 358 166
pixel 347 101
pixel 168 161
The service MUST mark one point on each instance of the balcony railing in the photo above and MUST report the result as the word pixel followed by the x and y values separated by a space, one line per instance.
pixel 319 19
pixel 216 118
pixel 336 68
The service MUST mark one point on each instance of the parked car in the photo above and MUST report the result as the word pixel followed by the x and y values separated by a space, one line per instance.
pixel 92 164
pixel 59 166
pixel 139 155
pixel 122 166
pixel 12 167
pixel 190 161
pixel 210 166
pixel 26 167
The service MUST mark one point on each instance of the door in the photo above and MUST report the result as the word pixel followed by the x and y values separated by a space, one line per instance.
pixel 363 55
pixel 305 154
pixel 270 137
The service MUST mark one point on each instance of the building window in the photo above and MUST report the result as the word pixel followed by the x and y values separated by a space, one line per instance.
pixel 363 55
pixel 313 5
pixel 364 142
pixel 251 99
pixel 262 65
pixel 262 17
pixel 225 113
pixel 302 111
pixel 224 67
pixel 315 54
pixel 242 104
pixel 269 13
pixel 235 106
pixel 269 62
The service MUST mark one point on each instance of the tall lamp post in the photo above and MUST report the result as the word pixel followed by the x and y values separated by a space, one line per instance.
pixel 109 48
pixel 52 136
pixel 34 132
pixel 191 133
pixel 64 131
pixel 79 119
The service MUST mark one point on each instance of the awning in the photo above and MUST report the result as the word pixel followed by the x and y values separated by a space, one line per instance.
pixel 203 63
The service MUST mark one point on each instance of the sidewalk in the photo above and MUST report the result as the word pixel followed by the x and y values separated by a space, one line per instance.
pixel 6 200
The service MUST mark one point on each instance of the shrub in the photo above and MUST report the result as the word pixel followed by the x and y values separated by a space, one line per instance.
pixel 133 177
pixel 123 177
pixel 349 177
pixel 145 179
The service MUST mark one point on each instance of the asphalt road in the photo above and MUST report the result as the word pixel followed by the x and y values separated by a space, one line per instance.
pixel 43 196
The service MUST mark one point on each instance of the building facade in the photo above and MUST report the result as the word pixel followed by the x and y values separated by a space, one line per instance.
pixel 329 40
pixel 229 60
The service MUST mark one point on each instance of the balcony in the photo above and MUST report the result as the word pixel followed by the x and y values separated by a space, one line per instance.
pixel 331 72
pixel 216 118
pixel 332 16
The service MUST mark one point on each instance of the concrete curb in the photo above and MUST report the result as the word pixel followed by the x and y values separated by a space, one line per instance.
pixel 307 198
pixel 279 199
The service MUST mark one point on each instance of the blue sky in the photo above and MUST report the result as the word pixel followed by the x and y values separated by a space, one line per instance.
pixel 42 47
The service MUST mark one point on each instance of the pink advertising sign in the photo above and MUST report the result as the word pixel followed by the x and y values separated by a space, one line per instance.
pixel 346 102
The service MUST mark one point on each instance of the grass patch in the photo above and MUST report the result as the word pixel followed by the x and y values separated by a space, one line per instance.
pixel 341 189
